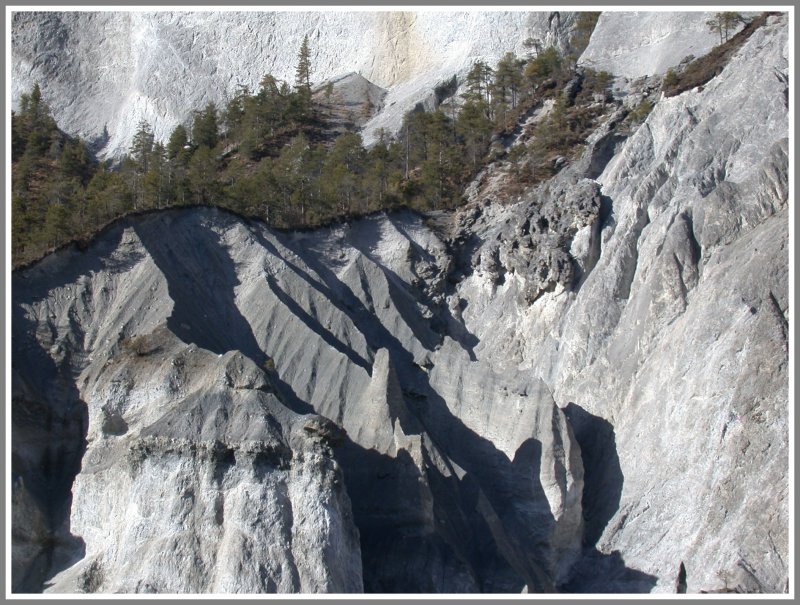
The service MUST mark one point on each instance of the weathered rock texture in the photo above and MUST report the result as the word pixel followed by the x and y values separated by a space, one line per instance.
pixel 582 389
pixel 668 348
pixel 636 44
pixel 195 476
pixel 113 69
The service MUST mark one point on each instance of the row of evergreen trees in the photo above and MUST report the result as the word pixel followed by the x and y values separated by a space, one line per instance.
pixel 269 154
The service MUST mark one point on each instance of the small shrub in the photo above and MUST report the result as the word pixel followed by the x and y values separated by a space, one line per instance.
pixel 670 79
pixel 700 71
pixel 141 345
pixel 642 110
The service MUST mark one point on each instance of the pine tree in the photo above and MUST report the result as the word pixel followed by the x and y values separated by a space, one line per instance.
pixel 56 225
pixel 303 73
pixel 723 23
pixel 36 129
pixel 303 79
pixel 75 161
pixel 178 141
pixel 202 176
pixel 475 128
pixel 205 127
pixel 156 182
pixel 507 81
pixel 235 110
pixel 139 161
pixel 478 82
pixel 546 64
pixel 343 171
pixel 142 146
pixel 292 176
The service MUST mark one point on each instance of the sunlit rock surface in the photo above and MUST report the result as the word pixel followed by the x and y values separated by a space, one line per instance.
pixel 583 388
pixel 112 69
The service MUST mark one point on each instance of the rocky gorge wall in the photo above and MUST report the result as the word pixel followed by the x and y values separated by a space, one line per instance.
pixel 582 388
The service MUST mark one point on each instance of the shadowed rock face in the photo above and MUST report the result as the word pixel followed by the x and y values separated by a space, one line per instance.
pixel 583 390
pixel 171 376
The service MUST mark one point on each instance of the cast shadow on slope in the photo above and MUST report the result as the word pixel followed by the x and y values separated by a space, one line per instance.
pixel 49 419
pixel 205 311
pixel 519 505
pixel 49 423
pixel 602 491
pixel 430 333
pixel 423 531
pixel 343 297
pixel 201 280
pixel 461 545
pixel 500 503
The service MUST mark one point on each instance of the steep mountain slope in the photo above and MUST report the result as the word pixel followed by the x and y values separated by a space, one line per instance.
pixel 639 44
pixel 674 329
pixel 583 388
pixel 113 69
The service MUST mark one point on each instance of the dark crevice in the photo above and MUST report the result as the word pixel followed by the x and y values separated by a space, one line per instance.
pixel 784 323
pixel 694 245
pixel 49 428
pixel 603 478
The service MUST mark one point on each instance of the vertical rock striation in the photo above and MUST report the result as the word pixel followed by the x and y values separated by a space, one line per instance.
pixel 581 389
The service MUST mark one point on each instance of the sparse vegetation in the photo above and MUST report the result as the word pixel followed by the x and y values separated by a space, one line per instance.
pixel 270 154
pixel 702 70
pixel 725 22
pixel 640 112
pixel 670 79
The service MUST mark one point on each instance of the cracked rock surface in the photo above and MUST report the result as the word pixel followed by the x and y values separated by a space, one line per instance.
pixel 581 389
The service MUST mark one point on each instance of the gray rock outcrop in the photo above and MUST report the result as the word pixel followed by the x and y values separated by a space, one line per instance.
pixel 636 44
pixel 673 341
pixel 195 477
pixel 583 389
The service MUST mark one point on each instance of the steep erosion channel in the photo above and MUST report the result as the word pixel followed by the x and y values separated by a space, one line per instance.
pixel 582 390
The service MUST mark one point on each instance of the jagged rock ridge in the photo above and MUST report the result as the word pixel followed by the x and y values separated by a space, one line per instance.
pixel 583 390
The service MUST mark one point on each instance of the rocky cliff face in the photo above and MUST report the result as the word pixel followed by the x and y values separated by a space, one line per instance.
pixel 194 476
pixel 581 388
pixel 639 44
pixel 113 69
pixel 667 346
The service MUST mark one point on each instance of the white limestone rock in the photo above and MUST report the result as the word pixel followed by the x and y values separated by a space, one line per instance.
pixel 637 44
pixel 499 410
pixel 112 69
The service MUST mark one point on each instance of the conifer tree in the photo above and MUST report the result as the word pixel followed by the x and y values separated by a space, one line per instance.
pixel 178 140
pixel 723 23
pixel 303 78
pixel 507 81
pixel 478 82
pixel 142 146
pixel 139 161
pixel 202 176
pixel 235 110
pixel 205 127
pixel 475 128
